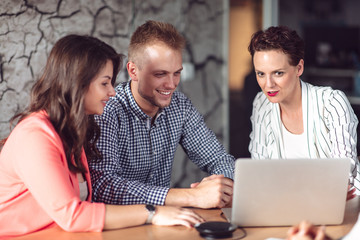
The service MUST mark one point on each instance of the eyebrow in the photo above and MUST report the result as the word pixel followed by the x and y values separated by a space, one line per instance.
pixel 161 70
pixel 276 70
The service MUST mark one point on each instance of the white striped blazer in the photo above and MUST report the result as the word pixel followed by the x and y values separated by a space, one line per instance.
pixel 329 123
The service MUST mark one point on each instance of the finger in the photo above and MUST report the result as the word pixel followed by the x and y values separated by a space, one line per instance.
pixel 351 194
pixel 227 190
pixel 229 204
pixel 190 217
pixel 227 181
pixel 194 185
pixel 321 234
pixel 193 219
pixel 349 197
pixel 192 214
pixel 293 230
pixel 304 228
pixel 226 199
pixel 183 222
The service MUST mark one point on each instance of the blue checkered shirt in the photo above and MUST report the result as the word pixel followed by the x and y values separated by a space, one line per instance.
pixel 138 156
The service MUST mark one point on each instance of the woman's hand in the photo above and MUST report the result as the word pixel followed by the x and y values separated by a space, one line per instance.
pixel 307 231
pixel 351 193
pixel 167 216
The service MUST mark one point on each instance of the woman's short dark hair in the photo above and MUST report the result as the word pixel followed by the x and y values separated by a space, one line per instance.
pixel 279 38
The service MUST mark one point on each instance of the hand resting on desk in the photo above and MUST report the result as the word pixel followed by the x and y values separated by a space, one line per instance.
pixel 307 231
pixel 168 216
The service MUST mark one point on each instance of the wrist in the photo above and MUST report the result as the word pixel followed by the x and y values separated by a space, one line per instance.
pixel 151 212
pixel 184 197
pixel 191 198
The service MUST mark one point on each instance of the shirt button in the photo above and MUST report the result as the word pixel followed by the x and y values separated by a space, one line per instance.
pixel 154 152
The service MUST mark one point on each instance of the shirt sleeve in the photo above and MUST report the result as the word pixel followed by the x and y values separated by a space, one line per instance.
pixel 257 145
pixel 42 166
pixel 109 184
pixel 202 146
pixel 342 123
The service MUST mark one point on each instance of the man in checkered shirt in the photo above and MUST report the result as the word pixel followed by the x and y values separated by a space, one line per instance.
pixel 143 124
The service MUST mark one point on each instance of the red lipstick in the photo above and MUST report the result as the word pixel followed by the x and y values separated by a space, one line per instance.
pixel 272 94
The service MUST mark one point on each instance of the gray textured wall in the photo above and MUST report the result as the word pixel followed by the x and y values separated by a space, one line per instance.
pixel 29 28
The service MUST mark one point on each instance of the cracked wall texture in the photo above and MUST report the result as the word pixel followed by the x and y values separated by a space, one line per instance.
pixel 29 29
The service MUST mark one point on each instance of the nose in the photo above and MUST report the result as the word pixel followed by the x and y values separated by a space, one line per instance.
pixel 172 82
pixel 111 92
pixel 269 81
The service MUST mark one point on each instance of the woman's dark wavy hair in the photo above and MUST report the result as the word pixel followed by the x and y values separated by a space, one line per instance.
pixel 73 63
pixel 279 38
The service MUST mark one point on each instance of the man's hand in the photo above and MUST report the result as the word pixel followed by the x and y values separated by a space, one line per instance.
pixel 212 191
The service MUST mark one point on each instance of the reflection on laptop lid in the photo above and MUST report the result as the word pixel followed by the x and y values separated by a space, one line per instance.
pixel 283 192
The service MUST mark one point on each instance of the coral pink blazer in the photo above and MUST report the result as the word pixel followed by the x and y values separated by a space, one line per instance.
pixel 37 190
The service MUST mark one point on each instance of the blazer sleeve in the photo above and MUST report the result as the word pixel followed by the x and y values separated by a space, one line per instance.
pixel 342 123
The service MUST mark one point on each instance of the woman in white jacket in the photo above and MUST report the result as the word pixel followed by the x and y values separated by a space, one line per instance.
pixel 292 118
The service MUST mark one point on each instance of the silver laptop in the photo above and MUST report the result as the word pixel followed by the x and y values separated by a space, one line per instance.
pixel 282 192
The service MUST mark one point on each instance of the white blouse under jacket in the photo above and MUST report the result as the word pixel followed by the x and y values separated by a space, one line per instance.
pixel 329 123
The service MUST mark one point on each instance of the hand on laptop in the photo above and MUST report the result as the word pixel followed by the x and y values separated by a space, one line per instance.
pixel 307 231
pixel 351 193
pixel 213 191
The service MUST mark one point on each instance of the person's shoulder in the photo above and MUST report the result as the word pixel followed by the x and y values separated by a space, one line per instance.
pixel 36 120
pixel 180 96
pixel 180 106
pixel 35 125
pixel 180 100
pixel 121 86
pixel 120 93
pixel 317 89
pixel 118 103
pixel 326 93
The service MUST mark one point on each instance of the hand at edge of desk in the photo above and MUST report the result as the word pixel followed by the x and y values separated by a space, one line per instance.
pixel 307 231
pixel 167 216
pixel 351 193
pixel 214 191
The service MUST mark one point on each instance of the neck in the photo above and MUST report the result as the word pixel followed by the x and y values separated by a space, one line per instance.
pixel 294 103
pixel 147 107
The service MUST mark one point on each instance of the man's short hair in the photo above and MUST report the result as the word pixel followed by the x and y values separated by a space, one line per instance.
pixel 152 32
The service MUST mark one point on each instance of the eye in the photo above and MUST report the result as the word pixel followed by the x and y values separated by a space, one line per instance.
pixel 177 73
pixel 259 74
pixel 106 83
pixel 159 75
pixel 279 73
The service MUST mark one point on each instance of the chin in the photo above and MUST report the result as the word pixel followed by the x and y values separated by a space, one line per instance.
pixel 272 100
pixel 98 112
pixel 164 105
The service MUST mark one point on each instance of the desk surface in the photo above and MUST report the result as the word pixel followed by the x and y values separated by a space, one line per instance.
pixel 180 232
